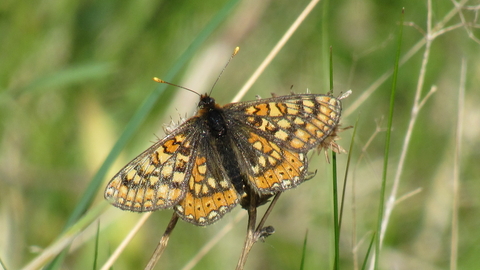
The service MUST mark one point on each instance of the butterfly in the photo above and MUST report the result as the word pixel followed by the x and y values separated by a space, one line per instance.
pixel 206 165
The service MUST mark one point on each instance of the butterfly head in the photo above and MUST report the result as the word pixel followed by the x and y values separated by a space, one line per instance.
pixel 206 102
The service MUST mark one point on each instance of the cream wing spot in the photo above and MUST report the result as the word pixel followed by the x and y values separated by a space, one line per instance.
pixel 283 123
pixel 274 111
pixel 298 121
pixel 257 145
pixel 202 169
pixel 282 135
pixel 167 170
pixel 262 161
pixel 130 175
pixel 205 189
pixel 212 183
pixel 308 103
pixel 137 179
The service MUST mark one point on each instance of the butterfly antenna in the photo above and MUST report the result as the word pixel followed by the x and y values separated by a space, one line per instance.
pixel 231 57
pixel 179 86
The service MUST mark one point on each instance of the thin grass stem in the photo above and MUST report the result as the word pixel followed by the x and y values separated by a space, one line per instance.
pixel 125 241
pixel 95 252
pixel 456 168
pixel 418 103
pixel 347 167
pixel 304 251
pixel 387 143
pixel 275 50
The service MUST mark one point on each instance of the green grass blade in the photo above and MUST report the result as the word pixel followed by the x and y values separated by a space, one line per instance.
pixel 364 266
pixel 64 240
pixel 74 74
pixel 334 183
pixel 304 251
pixel 346 173
pixel 142 113
pixel 95 254
pixel 325 42
pixel 387 143
pixel 335 211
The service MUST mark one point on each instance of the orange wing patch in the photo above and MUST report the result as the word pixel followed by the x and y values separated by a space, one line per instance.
pixel 207 198
pixel 205 210
pixel 276 169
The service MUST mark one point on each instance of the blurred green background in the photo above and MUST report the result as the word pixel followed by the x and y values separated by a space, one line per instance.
pixel 73 73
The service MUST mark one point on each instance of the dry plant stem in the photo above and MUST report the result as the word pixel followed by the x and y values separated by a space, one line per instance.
pixel 430 36
pixel 253 235
pixel 390 203
pixel 163 242
pixel 408 195
pixel 432 33
pixel 249 240
pixel 464 22
pixel 456 169
pixel 276 49
pixel 125 241
pixel 436 31
pixel 267 213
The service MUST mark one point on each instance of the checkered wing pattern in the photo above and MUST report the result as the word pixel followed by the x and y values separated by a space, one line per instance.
pixel 209 193
pixel 180 170
pixel 208 163
pixel 156 178
pixel 276 133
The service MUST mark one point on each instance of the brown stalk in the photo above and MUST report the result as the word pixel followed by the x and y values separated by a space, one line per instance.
pixel 163 243
pixel 258 233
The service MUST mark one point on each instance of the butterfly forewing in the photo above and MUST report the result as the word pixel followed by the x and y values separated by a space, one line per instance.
pixel 297 122
pixel 156 179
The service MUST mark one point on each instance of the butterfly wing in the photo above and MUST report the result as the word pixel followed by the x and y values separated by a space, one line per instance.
pixel 276 134
pixel 269 168
pixel 209 192
pixel 156 179
pixel 181 170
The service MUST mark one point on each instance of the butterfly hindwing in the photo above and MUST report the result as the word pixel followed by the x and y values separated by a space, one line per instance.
pixel 267 167
pixel 209 192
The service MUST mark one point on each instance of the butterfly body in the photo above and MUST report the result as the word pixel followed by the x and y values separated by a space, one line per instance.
pixel 204 167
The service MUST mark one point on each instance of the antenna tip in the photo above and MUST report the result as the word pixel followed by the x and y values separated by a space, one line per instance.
pixel 158 80
pixel 236 51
